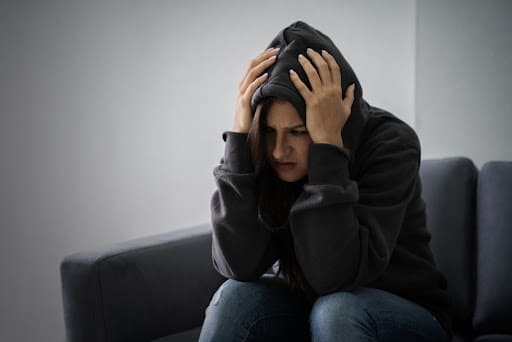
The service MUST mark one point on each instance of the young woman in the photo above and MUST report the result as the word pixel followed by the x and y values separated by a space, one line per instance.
pixel 325 187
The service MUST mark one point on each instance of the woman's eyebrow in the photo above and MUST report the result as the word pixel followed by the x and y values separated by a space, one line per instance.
pixel 291 127
pixel 297 126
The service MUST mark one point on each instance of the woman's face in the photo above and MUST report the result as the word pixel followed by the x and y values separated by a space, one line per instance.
pixel 287 141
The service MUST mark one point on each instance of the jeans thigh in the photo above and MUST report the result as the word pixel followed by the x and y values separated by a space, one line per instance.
pixel 399 319
pixel 374 315
pixel 263 310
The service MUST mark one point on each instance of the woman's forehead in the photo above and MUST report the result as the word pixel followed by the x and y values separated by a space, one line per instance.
pixel 283 114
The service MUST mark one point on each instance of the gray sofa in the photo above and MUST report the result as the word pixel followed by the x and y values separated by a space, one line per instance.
pixel 157 288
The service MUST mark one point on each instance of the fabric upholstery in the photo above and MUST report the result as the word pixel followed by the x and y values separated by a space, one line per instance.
pixel 493 311
pixel 185 336
pixel 139 290
pixel 449 191
pixel 494 338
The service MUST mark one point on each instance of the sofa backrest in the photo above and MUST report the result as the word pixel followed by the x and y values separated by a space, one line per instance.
pixel 449 192
pixel 493 307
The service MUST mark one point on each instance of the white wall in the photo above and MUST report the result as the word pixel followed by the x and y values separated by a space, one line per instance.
pixel 464 78
pixel 112 114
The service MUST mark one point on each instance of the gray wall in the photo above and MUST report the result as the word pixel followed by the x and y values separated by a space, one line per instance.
pixel 112 112
pixel 464 78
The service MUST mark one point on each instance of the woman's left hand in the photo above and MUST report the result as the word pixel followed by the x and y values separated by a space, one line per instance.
pixel 326 109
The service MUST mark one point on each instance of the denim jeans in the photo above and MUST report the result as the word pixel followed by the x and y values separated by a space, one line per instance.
pixel 265 310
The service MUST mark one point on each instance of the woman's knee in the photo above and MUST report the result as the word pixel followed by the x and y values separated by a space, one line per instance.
pixel 339 311
pixel 235 296
pixel 230 296
pixel 240 309
pixel 232 309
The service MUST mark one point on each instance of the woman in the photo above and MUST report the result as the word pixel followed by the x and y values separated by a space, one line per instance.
pixel 325 186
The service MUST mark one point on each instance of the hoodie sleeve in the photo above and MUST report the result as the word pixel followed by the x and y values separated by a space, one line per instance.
pixel 242 248
pixel 344 230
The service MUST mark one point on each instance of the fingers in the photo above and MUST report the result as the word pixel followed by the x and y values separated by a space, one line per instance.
pixel 257 66
pixel 333 67
pixel 309 69
pixel 349 96
pixel 322 67
pixel 251 88
pixel 262 57
pixel 301 87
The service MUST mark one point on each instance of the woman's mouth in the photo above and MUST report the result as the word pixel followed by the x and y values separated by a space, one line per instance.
pixel 287 166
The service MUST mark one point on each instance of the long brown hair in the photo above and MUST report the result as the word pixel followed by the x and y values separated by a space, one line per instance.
pixel 276 197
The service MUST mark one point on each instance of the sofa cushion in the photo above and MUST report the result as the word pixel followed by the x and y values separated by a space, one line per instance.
pixel 494 338
pixel 191 335
pixel 448 189
pixel 493 308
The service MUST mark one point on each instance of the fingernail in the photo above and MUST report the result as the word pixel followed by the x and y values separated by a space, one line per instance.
pixel 301 56
pixel 309 50
pixel 324 52
pixel 292 72
pixel 277 49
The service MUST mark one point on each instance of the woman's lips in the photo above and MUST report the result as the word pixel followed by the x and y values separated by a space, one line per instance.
pixel 284 166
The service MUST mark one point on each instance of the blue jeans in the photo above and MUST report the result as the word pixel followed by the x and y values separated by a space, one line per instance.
pixel 265 310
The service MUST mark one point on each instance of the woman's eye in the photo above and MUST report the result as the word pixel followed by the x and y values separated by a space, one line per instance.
pixel 298 132
pixel 268 130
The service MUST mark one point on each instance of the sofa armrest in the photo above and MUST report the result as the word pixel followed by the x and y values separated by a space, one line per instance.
pixel 141 289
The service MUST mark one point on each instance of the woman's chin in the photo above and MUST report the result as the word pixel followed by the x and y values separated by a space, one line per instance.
pixel 290 177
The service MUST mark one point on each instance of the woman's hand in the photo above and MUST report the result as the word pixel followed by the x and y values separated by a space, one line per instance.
pixel 248 85
pixel 326 110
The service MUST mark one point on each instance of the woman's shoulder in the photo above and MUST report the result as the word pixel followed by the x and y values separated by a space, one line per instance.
pixel 383 127
pixel 388 138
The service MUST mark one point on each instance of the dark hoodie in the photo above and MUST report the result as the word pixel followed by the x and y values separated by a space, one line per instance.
pixel 360 219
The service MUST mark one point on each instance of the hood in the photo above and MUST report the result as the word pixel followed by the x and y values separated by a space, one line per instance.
pixel 292 41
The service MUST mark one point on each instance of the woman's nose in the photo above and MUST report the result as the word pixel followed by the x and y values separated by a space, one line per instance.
pixel 281 148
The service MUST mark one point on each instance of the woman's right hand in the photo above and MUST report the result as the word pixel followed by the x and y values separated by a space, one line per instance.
pixel 248 85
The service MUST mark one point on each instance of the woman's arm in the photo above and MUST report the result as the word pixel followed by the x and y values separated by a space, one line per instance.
pixel 242 248
pixel 345 231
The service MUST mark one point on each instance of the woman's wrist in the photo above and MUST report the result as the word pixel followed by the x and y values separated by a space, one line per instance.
pixel 333 140
pixel 240 129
